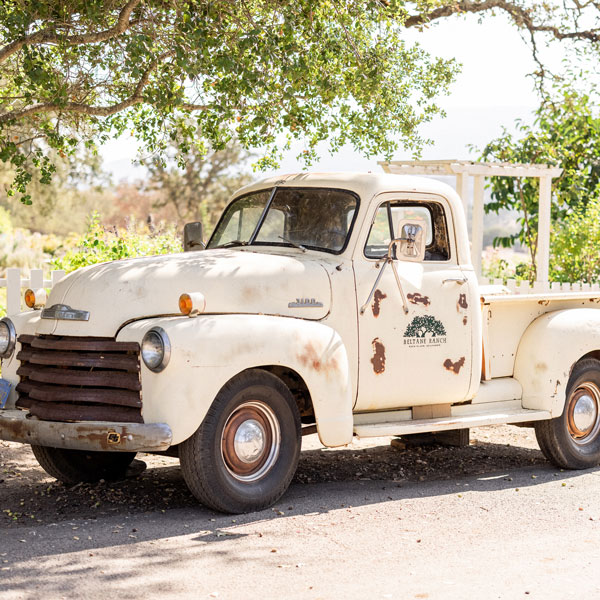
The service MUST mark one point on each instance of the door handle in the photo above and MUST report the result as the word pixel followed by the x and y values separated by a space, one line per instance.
pixel 459 280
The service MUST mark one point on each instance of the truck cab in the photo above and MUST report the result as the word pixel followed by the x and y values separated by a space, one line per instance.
pixel 344 304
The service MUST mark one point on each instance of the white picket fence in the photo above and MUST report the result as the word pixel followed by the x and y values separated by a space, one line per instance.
pixel 15 284
pixel 540 287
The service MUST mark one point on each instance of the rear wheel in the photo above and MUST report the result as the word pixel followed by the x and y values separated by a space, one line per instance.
pixel 572 441
pixel 75 466
pixel 244 454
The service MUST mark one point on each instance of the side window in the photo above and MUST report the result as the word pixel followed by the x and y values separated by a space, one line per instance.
pixel 379 237
pixel 389 215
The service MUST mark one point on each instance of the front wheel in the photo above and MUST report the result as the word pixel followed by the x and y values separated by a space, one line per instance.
pixel 572 441
pixel 76 466
pixel 245 453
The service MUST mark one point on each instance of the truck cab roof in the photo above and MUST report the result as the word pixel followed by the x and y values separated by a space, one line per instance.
pixel 366 185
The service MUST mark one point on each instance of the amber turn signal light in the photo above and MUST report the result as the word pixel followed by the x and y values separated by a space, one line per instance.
pixel 35 298
pixel 185 304
pixel 192 304
pixel 30 298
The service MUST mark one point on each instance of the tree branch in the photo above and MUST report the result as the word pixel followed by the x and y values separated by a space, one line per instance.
pixel 88 109
pixel 521 17
pixel 192 107
pixel 48 36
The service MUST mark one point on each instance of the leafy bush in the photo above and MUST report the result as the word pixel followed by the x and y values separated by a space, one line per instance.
pixel 574 245
pixel 99 244
pixel 493 266
pixel 498 264
pixel 27 250
pixel 566 133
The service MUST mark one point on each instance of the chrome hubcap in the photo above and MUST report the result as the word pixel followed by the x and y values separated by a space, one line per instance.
pixel 582 413
pixel 249 441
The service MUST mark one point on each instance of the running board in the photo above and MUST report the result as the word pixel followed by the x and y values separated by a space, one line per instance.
pixel 404 426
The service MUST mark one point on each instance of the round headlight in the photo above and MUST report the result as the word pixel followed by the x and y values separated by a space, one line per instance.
pixel 156 349
pixel 8 338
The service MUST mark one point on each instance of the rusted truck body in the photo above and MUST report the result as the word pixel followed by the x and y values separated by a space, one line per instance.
pixel 337 303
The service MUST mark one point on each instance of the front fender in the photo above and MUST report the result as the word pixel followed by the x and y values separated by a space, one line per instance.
pixel 549 348
pixel 207 351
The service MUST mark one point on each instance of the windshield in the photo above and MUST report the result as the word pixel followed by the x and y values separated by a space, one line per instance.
pixel 305 218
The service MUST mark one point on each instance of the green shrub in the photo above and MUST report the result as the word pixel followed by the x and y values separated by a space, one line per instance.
pixel 99 244
pixel 496 264
pixel 575 245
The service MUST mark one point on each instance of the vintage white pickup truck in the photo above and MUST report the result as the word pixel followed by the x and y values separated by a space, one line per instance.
pixel 339 303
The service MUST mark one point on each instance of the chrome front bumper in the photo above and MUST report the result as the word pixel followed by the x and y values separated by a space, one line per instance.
pixel 100 436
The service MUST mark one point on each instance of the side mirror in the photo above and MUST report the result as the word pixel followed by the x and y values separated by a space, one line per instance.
pixel 410 246
pixel 192 237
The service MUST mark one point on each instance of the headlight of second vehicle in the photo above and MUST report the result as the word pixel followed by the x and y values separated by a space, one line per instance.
pixel 8 338
pixel 156 349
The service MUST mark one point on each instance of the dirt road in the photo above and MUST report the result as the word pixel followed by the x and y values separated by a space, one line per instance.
pixel 492 520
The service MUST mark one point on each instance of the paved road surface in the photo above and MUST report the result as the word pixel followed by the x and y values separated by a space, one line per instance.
pixel 528 531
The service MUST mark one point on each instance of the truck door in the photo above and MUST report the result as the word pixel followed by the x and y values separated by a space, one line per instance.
pixel 415 351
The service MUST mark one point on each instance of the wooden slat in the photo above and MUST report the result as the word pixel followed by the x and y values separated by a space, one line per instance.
pixel 129 381
pixel 79 379
pixel 83 344
pixel 57 411
pixel 50 393
pixel 80 359
pixel 23 402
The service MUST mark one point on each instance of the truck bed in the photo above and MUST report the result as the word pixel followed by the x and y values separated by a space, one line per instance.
pixel 506 315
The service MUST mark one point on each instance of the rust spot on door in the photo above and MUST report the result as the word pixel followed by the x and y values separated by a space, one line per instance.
pixel 455 367
pixel 378 360
pixel 462 301
pixel 543 302
pixel 465 320
pixel 312 359
pixel 417 298
pixel 377 298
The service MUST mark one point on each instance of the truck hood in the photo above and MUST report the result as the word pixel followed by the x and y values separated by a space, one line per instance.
pixel 231 281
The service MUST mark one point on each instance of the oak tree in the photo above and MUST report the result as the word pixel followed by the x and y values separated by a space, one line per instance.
pixel 76 72
pixel 201 186
pixel 266 72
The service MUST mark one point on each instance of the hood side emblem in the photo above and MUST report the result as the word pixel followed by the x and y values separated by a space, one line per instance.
pixel 63 312
pixel 305 303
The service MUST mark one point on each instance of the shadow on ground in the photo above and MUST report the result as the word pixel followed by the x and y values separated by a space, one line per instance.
pixel 30 497
pixel 97 529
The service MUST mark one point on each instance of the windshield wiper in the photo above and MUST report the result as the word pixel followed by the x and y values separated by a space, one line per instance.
pixel 299 246
pixel 233 243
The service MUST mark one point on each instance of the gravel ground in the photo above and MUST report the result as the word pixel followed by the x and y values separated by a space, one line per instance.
pixel 28 495
pixel 491 520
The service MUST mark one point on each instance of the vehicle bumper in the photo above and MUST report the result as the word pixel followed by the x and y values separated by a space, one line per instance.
pixel 84 435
